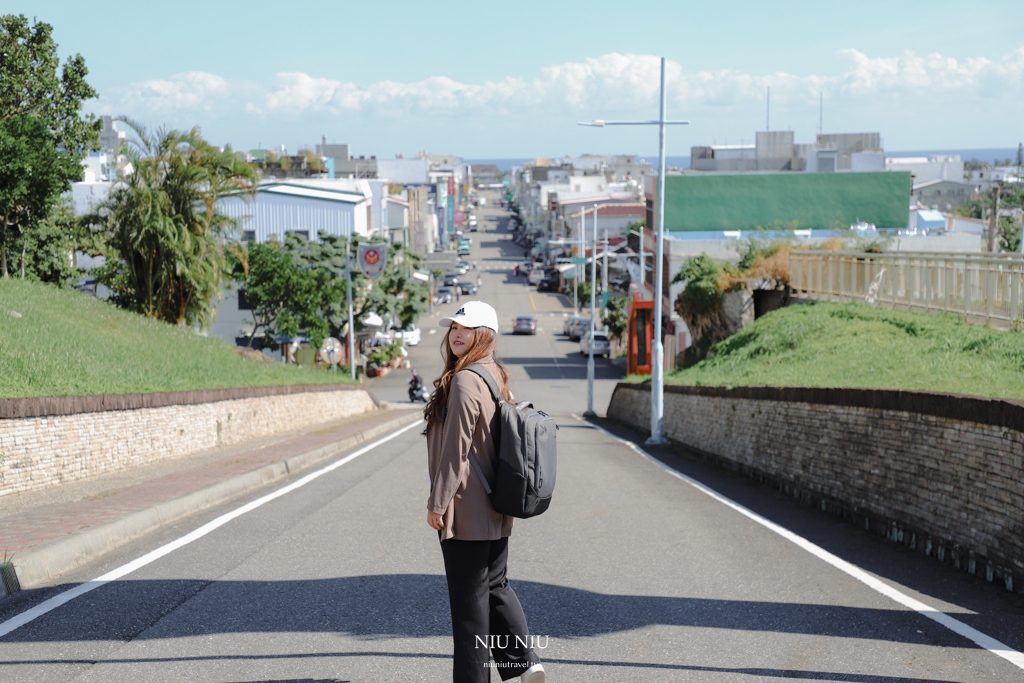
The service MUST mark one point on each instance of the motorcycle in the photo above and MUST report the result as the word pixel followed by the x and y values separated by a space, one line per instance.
pixel 418 392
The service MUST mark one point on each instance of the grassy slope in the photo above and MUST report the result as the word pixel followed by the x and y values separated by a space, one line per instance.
pixel 853 345
pixel 67 344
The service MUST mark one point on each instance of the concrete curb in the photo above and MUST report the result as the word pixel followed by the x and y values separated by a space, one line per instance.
pixel 37 567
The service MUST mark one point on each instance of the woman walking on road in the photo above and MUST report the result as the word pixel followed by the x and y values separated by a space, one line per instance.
pixel 487 619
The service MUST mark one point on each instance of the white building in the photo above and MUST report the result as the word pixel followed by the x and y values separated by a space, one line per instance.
pixel 925 169
pixel 280 208
pixel 403 171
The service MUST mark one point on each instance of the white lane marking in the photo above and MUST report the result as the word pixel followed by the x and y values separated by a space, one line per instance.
pixel 986 642
pixel 125 569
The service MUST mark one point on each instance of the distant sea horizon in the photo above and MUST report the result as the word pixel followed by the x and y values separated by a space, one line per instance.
pixel 986 155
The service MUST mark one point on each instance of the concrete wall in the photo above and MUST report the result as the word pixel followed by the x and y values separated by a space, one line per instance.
pixel 52 440
pixel 942 474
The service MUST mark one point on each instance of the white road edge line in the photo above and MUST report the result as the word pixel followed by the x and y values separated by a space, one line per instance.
pixel 125 569
pixel 958 627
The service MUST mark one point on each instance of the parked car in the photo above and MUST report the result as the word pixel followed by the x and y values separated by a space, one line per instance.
pixel 444 296
pixel 467 287
pixel 451 279
pixel 570 322
pixel 547 283
pixel 599 338
pixel 535 276
pixel 524 324
pixel 410 336
pixel 580 328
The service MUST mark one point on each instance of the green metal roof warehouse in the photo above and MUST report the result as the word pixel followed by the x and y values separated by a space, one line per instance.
pixel 748 201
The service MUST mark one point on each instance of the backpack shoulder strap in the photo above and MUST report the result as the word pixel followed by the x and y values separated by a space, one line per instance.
pixel 488 379
pixel 482 372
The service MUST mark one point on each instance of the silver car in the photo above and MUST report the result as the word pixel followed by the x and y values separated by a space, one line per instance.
pixel 599 338
pixel 579 328
pixel 570 322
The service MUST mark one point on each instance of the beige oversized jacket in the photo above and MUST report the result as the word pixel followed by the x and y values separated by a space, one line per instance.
pixel 455 489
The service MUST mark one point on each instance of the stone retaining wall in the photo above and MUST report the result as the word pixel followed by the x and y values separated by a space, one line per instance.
pixel 941 473
pixel 49 441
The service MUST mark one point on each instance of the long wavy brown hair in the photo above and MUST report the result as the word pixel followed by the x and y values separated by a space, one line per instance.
pixel 485 344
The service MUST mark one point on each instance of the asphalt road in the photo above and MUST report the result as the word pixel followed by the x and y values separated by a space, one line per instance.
pixel 632 575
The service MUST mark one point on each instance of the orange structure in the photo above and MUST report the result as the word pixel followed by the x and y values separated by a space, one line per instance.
pixel 639 335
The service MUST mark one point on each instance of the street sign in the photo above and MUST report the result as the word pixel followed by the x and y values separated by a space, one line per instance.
pixel 579 260
pixel 373 257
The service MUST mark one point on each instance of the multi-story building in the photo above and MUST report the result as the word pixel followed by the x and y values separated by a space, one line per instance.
pixel 777 151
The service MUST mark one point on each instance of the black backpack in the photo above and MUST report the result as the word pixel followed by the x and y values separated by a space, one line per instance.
pixel 525 442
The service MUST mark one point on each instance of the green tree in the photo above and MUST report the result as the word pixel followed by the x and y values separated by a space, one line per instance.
pixel 40 111
pixel 167 245
pixel 583 293
pixel 282 295
pixel 700 303
pixel 1009 235
pixel 972 208
pixel 31 180
pixel 616 320
pixel 1011 196
pixel 327 314
pixel 49 246
pixel 299 287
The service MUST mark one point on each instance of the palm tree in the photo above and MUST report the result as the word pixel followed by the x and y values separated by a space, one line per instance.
pixel 167 245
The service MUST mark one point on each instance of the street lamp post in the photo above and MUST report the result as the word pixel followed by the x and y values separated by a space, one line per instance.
pixel 604 273
pixel 351 320
pixel 658 362
pixel 593 321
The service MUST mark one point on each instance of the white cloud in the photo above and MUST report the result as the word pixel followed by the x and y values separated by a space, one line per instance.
pixel 608 84
pixel 187 91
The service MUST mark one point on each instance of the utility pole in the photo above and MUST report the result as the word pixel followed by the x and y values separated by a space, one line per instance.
pixel 642 265
pixel 993 219
pixel 576 267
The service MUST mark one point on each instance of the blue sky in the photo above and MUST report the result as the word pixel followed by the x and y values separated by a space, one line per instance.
pixel 511 79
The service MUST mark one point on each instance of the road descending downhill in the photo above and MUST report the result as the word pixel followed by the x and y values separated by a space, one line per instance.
pixel 648 566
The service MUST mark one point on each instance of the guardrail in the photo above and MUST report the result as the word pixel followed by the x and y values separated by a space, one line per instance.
pixel 986 287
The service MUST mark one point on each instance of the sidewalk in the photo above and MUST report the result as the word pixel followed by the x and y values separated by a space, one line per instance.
pixel 52 531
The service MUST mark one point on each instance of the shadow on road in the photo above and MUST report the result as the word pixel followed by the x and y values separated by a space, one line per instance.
pixel 416 606
pixel 743 671
pixel 573 366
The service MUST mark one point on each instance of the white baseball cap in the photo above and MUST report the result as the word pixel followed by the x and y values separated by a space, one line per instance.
pixel 473 314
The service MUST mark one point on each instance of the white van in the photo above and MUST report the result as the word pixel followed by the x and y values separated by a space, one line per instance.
pixel 535 276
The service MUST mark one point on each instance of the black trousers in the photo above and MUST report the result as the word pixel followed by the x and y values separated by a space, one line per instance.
pixel 487 619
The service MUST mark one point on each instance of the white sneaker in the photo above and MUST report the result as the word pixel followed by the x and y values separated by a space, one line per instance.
pixel 535 674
